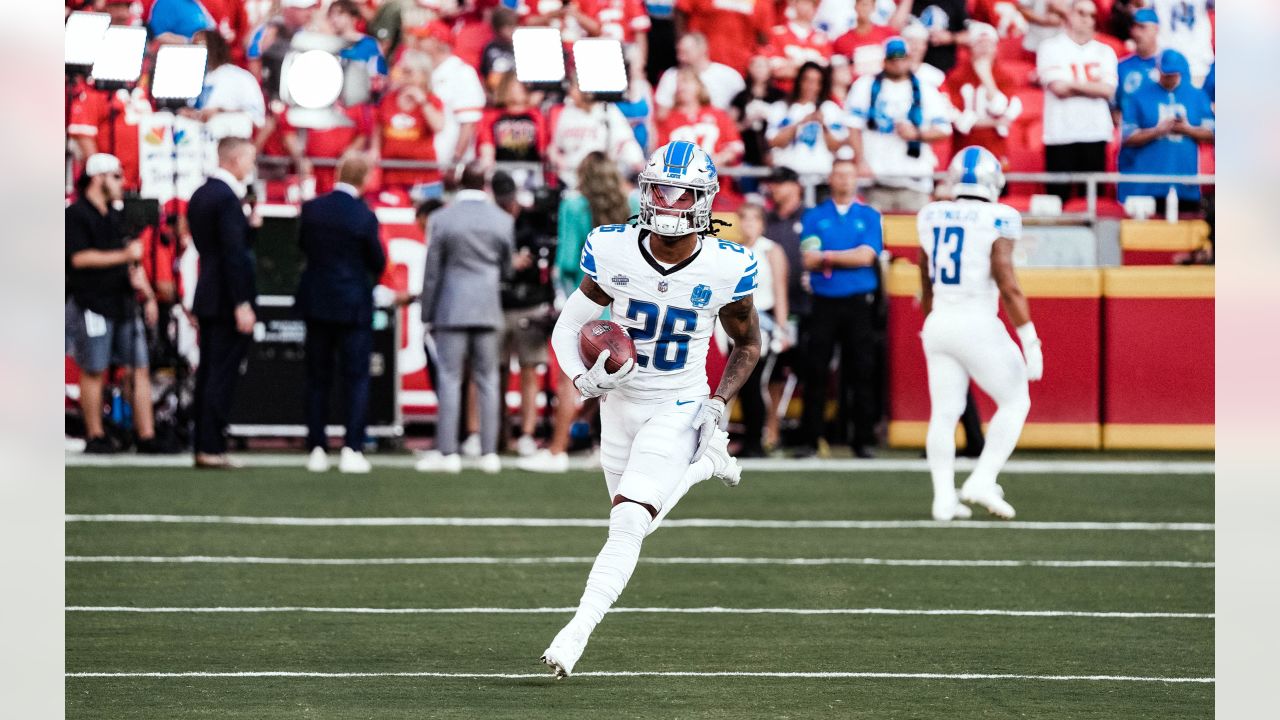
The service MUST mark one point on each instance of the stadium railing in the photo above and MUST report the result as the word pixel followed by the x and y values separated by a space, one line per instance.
pixel 1091 181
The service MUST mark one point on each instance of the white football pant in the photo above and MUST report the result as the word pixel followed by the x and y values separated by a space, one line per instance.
pixel 959 345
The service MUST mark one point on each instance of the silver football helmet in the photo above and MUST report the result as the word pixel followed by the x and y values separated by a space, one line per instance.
pixel 975 172
pixel 676 190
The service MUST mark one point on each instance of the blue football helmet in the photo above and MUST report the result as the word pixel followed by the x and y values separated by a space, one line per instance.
pixel 975 172
pixel 676 190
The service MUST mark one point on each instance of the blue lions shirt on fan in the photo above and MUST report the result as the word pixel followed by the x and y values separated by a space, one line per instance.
pixel 833 230
pixel 1172 154
pixel 1133 72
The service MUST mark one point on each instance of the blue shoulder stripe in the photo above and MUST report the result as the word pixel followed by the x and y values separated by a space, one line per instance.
pixel 746 284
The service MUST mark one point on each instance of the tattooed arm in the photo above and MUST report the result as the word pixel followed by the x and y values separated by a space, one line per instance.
pixel 742 325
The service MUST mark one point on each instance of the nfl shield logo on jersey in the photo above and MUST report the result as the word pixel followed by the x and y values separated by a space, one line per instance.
pixel 662 286
pixel 701 296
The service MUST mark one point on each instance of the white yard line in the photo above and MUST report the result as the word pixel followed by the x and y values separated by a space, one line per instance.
pixel 586 560
pixel 1015 467
pixel 604 522
pixel 632 673
pixel 642 610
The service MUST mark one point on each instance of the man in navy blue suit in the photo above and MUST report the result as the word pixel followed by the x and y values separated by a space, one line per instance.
pixel 339 238
pixel 225 294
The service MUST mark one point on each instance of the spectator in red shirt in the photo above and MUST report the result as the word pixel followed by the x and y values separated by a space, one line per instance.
pixel 103 121
pixel 797 42
pixel 516 129
pixel 981 92
pixel 696 120
pixel 409 118
pixel 626 21
pixel 735 29
pixel 864 43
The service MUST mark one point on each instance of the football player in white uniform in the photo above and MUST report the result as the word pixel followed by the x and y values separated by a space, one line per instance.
pixel 966 263
pixel 668 283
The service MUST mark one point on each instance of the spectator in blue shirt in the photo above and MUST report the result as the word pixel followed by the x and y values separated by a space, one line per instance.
pixel 343 16
pixel 180 19
pixel 1137 69
pixel 841 240
pixel 1164 122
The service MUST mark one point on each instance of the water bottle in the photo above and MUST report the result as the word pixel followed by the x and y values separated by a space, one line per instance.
pixel 1171 205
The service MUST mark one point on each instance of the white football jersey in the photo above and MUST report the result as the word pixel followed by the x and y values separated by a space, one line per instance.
pixel 670 313
pixel 957 236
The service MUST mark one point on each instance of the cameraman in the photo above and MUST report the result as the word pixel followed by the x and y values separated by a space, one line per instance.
pixel 103 279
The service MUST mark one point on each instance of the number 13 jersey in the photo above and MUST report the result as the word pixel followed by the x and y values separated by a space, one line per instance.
pixel 670 312
pixel 956 237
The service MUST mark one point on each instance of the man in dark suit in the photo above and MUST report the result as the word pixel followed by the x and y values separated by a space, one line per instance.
pixel 225 294
pixel 344 255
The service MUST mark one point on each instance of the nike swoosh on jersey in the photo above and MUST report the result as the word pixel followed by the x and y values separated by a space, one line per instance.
pixel 685 402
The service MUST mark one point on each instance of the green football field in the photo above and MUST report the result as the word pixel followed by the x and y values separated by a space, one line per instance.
pixel 273 593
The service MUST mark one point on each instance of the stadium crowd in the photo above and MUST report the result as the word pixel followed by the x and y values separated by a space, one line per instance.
pixel 853 96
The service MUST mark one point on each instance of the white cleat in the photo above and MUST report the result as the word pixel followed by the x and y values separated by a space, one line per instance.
pixel 990 497
pixel 947 509
pixel 318 461
pixel 353 461
pixel 435 461
pixel 526 446
pixel 490 464
pixel 564 652
pixel 471 446
pixel 544 461
pixel 726 466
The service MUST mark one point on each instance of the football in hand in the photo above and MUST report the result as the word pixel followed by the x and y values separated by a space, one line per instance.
pixel 600 335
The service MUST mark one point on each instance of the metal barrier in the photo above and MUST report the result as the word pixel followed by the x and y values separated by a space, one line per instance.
pixel 1091 181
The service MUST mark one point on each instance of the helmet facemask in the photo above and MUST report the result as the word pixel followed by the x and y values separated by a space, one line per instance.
pixel 674 208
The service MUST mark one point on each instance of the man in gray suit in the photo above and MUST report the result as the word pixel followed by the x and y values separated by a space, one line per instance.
pixel 469 247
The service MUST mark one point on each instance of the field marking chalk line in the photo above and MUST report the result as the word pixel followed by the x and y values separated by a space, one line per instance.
pixel 669 523
pixel 633 673
pixel 586 560
pixel 713 610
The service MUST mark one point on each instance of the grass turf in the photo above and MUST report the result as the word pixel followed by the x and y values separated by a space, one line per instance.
pixel 486 643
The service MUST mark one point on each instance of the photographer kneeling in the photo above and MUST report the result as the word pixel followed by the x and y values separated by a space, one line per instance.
pixel 104 279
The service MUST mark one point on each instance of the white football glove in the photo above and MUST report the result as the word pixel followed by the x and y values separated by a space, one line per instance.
pixel 706 422
pixel 1031 351
pixel 598 381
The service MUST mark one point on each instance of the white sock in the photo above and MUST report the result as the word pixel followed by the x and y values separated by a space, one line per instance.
pixel 696 473
pixel 940 448
pixel 1002 437
pixel 613 566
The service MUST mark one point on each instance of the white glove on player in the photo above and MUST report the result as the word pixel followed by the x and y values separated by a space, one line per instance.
pixel 1031 351
pixel 706 422
pixel 598 381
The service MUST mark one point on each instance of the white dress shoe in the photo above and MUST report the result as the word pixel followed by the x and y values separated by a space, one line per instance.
pixel 353 461
pixel 318 461
pixel 490 464
pixel 544 461
pixel 435 461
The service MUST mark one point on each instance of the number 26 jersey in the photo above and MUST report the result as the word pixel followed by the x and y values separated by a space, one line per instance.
pixel 670 312
pixel 956 237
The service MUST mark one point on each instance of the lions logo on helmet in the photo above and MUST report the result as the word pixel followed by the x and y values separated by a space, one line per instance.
pixel 676 190
pixel 975 172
